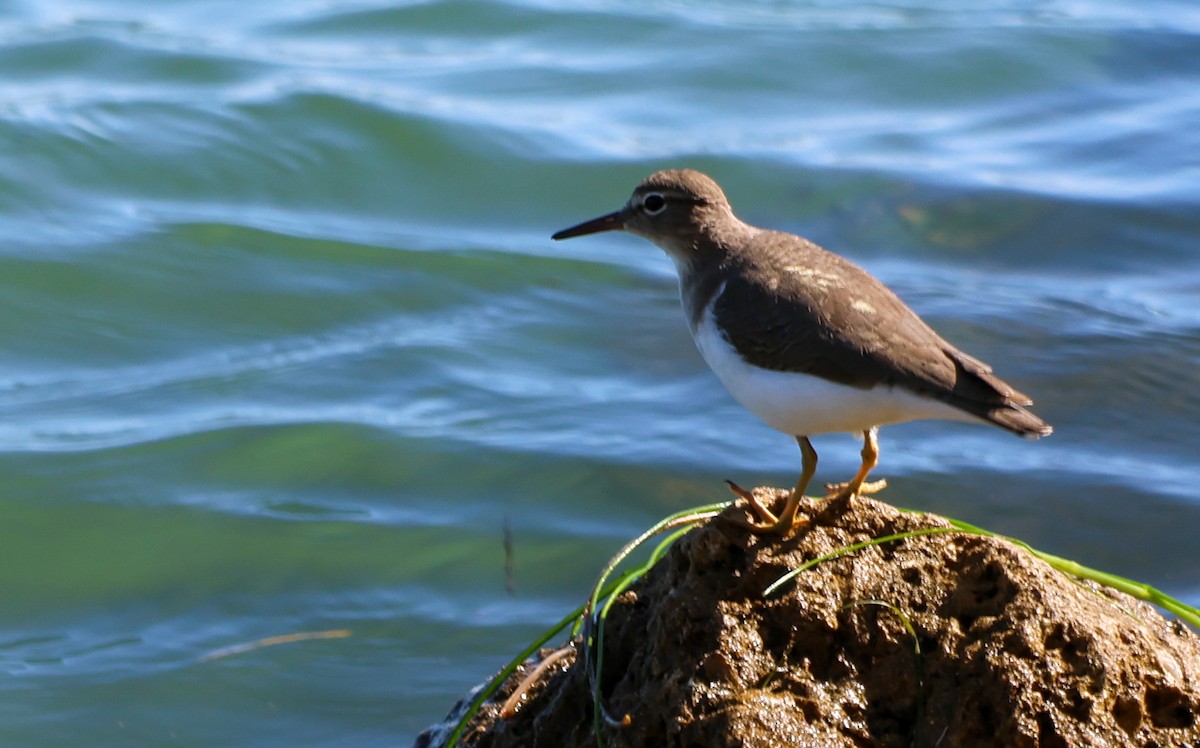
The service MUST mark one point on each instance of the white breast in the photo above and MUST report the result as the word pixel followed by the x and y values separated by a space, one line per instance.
pixel 805 405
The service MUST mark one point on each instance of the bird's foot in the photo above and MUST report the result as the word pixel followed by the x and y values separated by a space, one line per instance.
pixel 740 492
pixel 841 496
pixel 843 492
pixel 783 524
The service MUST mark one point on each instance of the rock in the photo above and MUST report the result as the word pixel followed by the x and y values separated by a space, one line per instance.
pixel 1007 650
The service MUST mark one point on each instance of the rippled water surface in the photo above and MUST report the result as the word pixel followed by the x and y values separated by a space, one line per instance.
pixel 286 344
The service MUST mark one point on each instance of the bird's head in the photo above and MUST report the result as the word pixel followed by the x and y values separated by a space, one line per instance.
pixel 680 210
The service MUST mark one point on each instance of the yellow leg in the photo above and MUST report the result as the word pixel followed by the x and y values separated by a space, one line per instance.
pixel 786 520
pixel 844 492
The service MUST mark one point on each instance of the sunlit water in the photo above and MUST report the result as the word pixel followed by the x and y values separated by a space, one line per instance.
pixel 286 344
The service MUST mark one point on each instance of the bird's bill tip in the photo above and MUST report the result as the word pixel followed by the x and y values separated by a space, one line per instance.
pixel 611 222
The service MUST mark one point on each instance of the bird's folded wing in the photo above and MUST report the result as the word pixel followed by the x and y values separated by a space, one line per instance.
pixel 856 333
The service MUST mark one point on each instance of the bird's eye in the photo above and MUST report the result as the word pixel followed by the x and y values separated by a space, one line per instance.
pixel 654 204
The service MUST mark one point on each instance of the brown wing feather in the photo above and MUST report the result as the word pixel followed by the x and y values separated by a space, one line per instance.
pixel 828 317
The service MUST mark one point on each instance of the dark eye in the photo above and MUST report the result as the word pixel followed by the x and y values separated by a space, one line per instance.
pixel 654 204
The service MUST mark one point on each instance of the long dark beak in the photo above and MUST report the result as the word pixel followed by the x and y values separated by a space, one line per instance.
pixel 611 222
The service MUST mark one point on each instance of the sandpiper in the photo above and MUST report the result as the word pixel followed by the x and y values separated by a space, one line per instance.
pixel 806 340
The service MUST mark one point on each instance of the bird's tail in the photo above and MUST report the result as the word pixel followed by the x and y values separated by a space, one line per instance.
pixel 979 391
pixel 1019 420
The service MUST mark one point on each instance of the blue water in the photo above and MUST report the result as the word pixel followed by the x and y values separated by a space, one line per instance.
pixel 286 344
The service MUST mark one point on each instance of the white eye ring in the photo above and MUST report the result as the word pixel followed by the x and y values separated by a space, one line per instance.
pixel 653 204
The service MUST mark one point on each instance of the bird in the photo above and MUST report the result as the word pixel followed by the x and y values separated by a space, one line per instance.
pixel 806 340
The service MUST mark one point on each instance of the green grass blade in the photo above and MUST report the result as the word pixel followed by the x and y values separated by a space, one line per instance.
pixel 1138 590
pixel 850 549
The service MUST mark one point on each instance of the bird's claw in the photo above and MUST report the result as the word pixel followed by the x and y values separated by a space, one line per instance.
pixel 782 524
pixel 842 490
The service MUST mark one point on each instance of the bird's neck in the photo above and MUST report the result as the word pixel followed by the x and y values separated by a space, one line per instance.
pixel 699 283
pixel 700 260
pixel 700 255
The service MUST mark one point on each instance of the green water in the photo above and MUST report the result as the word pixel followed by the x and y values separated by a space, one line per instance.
pixel 286 344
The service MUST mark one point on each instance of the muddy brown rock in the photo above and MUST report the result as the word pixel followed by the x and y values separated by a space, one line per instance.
pixel 1003 650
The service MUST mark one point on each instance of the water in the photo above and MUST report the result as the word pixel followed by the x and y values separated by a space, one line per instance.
pixel 286 343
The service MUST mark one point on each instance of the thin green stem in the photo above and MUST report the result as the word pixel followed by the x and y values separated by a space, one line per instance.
pixel 850 549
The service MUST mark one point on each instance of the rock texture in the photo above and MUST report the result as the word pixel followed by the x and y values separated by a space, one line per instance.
pixel 1003 651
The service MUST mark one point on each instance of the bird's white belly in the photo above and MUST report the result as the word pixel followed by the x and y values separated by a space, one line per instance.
pixel 805 405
